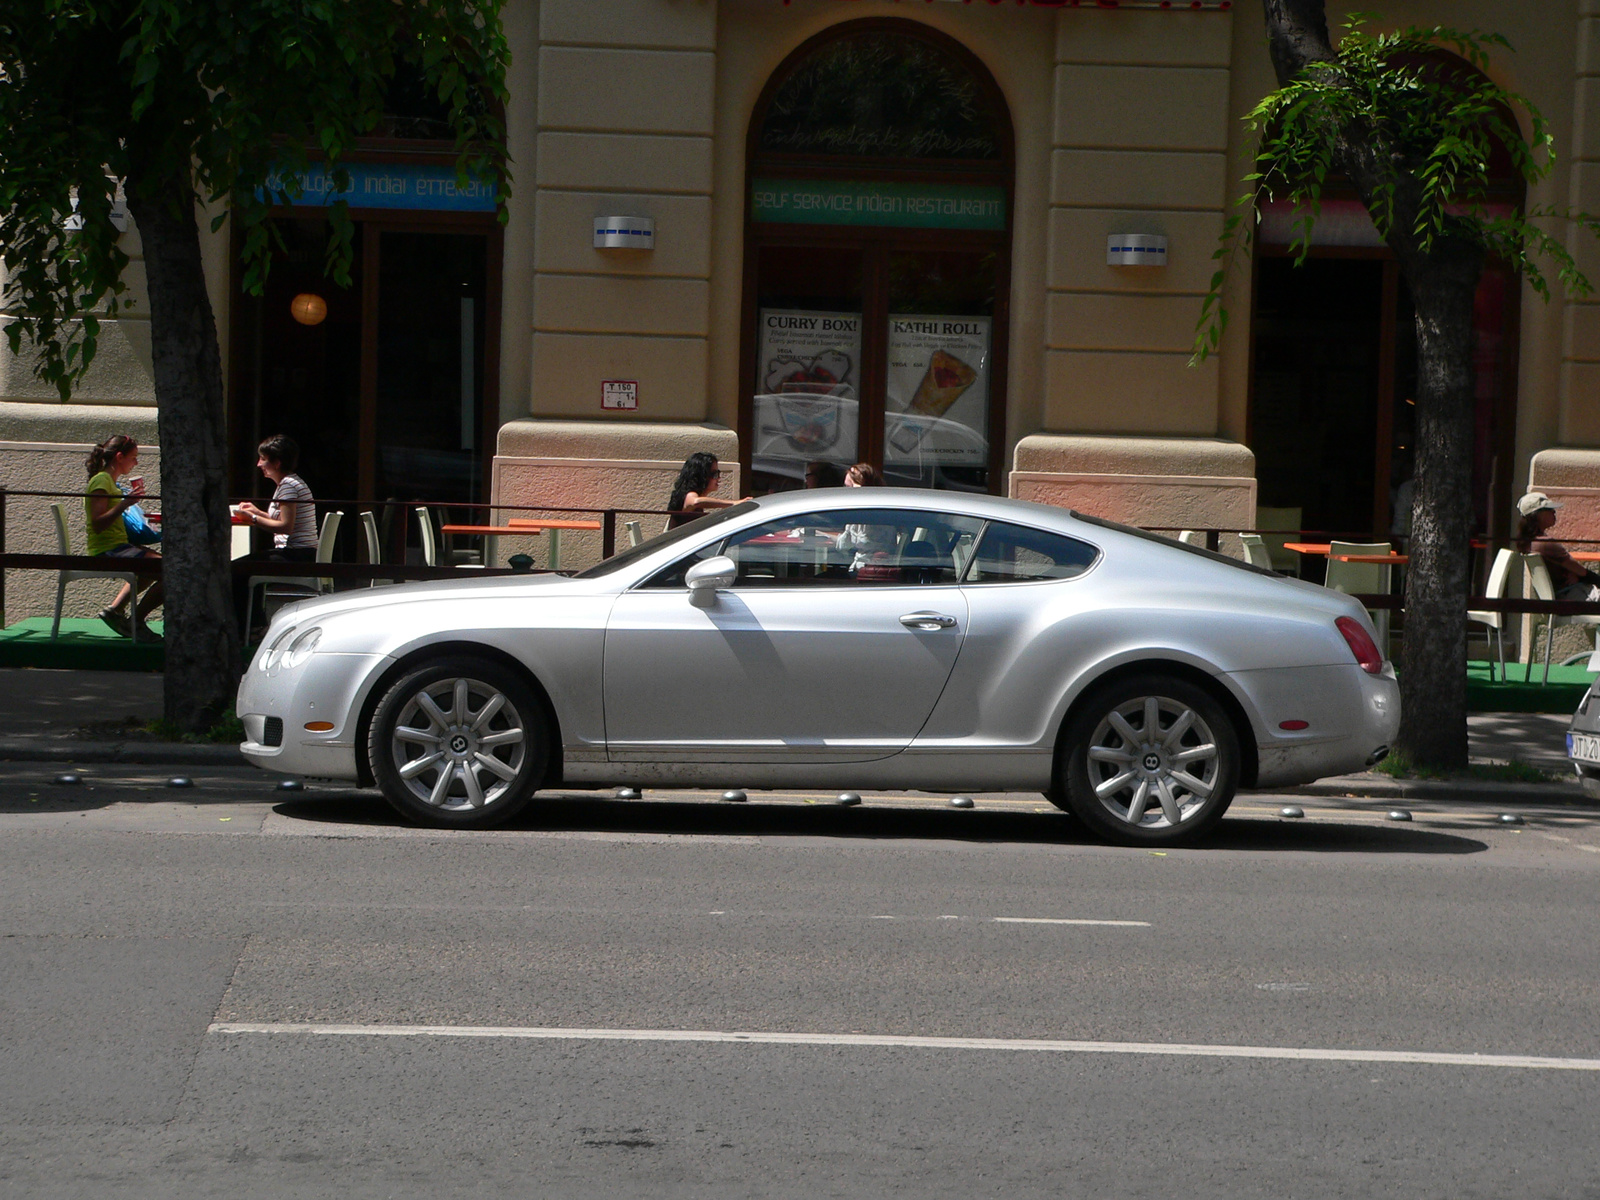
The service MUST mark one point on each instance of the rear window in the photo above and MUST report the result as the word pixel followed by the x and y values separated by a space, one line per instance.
pixel 1014 553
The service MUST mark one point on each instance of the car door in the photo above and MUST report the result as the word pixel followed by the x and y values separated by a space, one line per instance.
pixel 833 644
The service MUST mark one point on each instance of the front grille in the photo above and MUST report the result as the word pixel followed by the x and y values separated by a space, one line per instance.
pixel 272 732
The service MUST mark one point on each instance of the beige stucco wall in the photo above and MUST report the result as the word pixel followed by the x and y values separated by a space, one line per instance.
pixel 566 466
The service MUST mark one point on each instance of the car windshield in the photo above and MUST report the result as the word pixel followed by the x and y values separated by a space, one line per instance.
pixel 634 553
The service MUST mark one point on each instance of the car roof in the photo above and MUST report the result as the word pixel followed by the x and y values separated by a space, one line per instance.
pixel 976 504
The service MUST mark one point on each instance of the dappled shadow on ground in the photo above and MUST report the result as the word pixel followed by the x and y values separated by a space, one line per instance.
pixel 590 814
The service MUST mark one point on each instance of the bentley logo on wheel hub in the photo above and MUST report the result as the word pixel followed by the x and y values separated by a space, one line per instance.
pixel 458 744
pixel 1152 762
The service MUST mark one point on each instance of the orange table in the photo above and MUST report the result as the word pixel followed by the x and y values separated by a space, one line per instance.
pixel 522 527
pixel 1321 549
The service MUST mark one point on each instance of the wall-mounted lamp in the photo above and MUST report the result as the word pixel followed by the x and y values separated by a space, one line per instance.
pixel 1136 250
pixel 624 233
pixel 309 308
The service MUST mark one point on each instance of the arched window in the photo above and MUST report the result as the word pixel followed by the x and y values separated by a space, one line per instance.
pixel 878 248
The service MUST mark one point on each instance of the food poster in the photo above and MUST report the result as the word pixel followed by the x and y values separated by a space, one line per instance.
pixel 806 403
pixel 937 403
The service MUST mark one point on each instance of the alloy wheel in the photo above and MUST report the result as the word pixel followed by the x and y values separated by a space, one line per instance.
pixel 1153 763
pixel 458 744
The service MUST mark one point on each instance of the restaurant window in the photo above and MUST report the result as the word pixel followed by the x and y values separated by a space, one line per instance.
pixel 877 262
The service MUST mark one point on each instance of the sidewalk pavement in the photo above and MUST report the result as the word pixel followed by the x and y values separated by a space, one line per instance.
pixel 91 717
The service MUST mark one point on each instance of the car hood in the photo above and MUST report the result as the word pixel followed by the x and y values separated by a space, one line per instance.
pixel 367 599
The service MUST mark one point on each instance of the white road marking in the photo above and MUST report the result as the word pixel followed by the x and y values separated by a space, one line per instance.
pixel 1067 921
pixel 1179 1049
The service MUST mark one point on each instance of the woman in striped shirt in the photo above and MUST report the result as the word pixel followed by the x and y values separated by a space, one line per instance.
pixel 292 515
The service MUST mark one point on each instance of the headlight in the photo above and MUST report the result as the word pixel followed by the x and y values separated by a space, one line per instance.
pixel 300 649
pixel 269 654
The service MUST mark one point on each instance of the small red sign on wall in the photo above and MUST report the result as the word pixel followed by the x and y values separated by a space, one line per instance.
pixel 619 393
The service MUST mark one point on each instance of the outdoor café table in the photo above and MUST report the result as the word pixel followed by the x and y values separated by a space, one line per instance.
pixel 522 527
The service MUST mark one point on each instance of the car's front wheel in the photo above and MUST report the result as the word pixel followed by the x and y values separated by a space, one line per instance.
pixel 459 742
pixel 1150 760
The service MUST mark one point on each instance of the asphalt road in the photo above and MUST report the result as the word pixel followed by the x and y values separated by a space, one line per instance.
pixel 229 990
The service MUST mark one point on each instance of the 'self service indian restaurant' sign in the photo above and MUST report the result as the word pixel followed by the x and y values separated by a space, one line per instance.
pixel 846 202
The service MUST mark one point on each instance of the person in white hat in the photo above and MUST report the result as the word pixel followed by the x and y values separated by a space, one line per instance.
pixel 1572 580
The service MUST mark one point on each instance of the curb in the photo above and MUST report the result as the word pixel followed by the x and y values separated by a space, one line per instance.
pixel 148 753
pixel 1360 788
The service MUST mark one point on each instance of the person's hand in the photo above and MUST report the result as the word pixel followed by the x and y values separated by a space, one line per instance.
pixel 246 507
pixel 136 489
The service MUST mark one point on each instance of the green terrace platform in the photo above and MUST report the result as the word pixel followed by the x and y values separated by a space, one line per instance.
pixel 1522 691
pixel 85 644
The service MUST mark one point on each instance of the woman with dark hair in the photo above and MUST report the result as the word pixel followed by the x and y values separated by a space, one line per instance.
pixel 1570 578
pixel 863 474
pixel 691 494
pixel 291 517
pixel 871 543
pixel 104 503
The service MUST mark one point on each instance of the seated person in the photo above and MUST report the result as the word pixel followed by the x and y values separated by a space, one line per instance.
pixel 104 503
pixel 1570 578
pixel 291 516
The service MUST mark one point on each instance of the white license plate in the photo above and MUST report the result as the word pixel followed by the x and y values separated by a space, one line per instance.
pixel 1585 747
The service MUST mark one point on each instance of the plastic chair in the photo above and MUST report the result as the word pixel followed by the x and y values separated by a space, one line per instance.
pixel 1193 537
pixel 635 532
pixel 369 526
pixel 1495 589
pixel 1544 589
pixel 1357 578
pixel 449 557
pixel 318 585
pixel 1288 519
pixel 64 546
pixel 1255 551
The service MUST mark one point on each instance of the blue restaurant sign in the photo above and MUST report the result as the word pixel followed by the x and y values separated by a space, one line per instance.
pixel 412 186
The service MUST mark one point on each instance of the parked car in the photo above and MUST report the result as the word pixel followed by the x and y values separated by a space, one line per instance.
pixel 1583 741
pixel 862 638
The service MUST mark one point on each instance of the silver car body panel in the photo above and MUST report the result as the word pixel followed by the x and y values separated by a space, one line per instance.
pixel 823 687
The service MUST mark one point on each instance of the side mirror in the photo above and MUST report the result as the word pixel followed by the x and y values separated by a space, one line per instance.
pixel 706 578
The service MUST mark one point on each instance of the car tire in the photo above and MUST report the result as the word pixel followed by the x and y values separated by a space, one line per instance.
pixel 460 743
pixel 1140 788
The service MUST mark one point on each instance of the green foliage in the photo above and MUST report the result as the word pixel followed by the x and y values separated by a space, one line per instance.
pixel 228 729
pixel 237 97
pixel 1398 766
pixel 1425 130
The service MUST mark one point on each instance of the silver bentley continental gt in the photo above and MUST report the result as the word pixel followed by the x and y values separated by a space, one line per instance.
pixel 842 638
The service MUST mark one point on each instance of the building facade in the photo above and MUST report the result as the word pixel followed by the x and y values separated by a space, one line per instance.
pixel 965 241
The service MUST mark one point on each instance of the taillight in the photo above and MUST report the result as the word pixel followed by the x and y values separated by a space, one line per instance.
pixel 1361 645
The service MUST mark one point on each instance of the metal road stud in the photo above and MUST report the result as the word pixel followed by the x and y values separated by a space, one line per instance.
pixel 735 796
pixel 627 793
pixel 849 799
pixel 1510 819
pixel 68 779
pixel 1399 814
pixel 1291 811
pixel 291 785
pixel 961 802
pixel 181 781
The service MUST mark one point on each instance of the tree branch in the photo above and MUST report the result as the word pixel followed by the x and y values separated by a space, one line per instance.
pixel 1297 35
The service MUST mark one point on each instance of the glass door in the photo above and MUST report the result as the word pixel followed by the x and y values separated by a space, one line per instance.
pixel 430 342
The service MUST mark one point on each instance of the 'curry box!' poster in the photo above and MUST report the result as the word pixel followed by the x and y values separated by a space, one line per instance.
pixel 806 399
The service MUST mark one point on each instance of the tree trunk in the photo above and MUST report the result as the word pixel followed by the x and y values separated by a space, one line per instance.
pixel 1433 675
pixel 202 645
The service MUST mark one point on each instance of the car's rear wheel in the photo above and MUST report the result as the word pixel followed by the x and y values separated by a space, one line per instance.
pixel 459 742
pixel 1150 760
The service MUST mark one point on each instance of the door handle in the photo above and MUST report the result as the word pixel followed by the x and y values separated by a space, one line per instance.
pixel 927 620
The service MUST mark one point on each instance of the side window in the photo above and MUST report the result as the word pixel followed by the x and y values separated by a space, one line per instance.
pixel 863 547
pixel 1012 553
